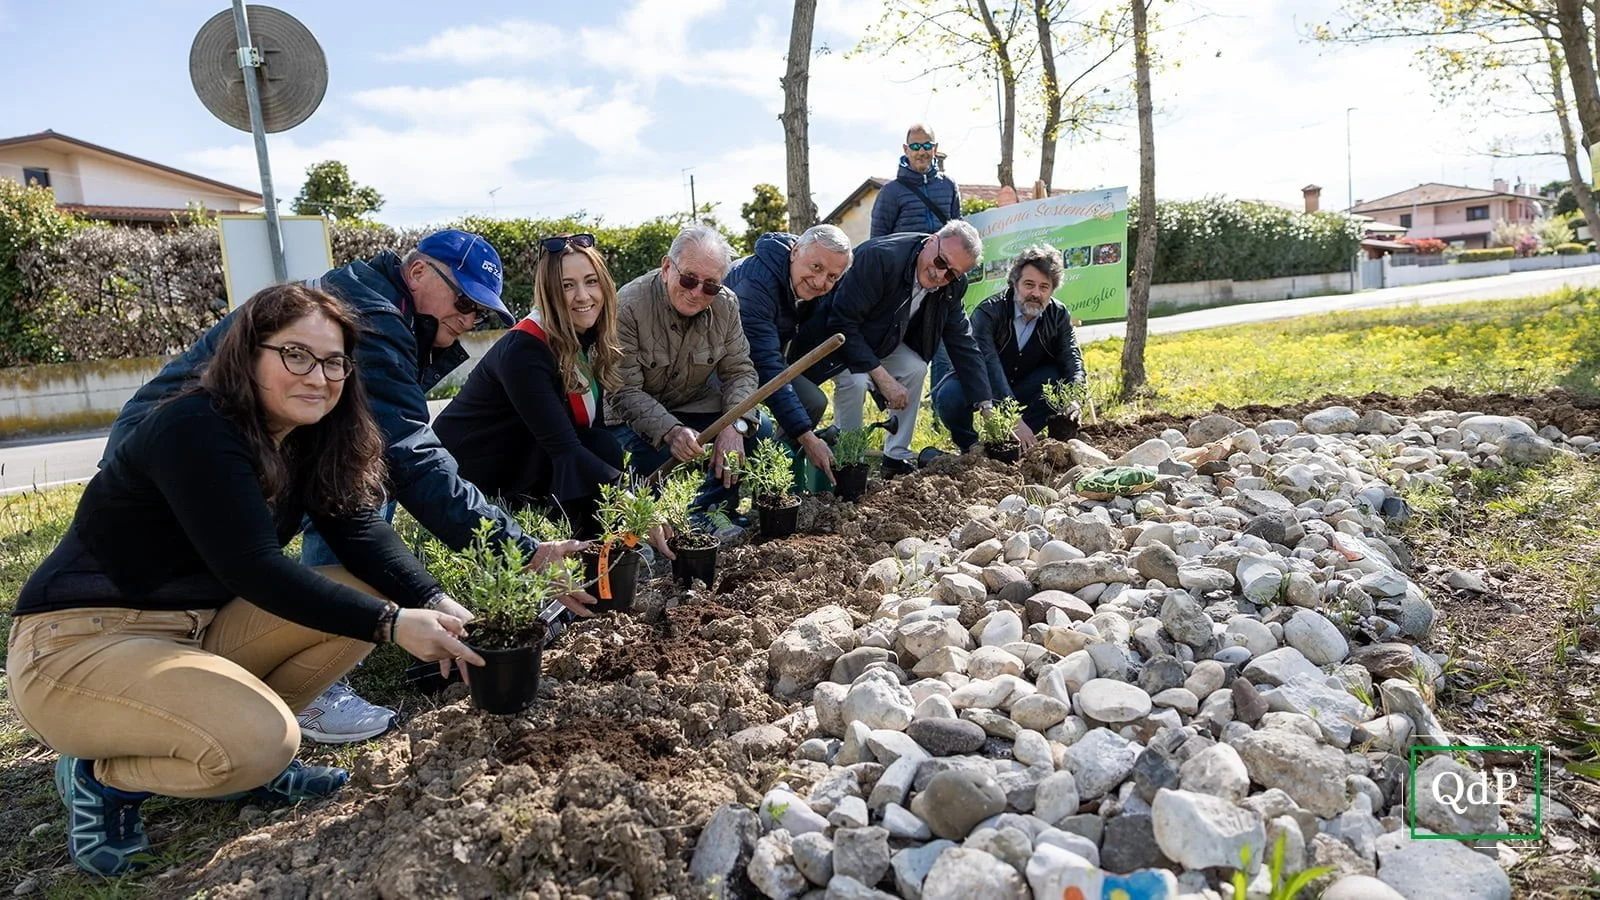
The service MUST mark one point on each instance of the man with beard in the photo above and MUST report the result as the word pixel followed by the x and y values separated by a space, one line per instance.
pixel 1027 341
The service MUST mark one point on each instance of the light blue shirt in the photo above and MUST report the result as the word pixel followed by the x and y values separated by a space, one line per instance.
pixel 1022 325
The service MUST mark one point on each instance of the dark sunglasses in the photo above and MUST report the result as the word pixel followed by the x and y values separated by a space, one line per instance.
pixel 925 145
pixel 464 304
pixel 300 361
pixel 558 244
pixel 707 286
pixel 942 264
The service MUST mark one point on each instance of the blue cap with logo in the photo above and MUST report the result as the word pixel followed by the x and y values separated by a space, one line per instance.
pixel 475 264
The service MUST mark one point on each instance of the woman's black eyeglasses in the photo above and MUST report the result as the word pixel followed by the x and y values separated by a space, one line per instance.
pixel 558 244
pixel 300 361
pixel 464 304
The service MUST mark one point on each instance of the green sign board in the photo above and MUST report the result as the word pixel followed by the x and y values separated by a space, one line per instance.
pixel 1091 231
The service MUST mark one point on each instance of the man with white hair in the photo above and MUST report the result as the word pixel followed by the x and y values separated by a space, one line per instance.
pixel 679 327
pixel 896 305
pixel 778 288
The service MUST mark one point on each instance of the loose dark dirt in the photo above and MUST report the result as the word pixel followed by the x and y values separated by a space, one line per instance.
pixel 601 789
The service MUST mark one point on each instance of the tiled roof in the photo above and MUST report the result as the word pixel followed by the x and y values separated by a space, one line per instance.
pixel 47 136
pixel 123 213
pixel 1431 193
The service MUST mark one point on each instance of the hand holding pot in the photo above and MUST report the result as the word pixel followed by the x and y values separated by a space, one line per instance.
pixel 1025 435
pixel 659 536
pixel 429 634
pixel 550 551
pixel 820 454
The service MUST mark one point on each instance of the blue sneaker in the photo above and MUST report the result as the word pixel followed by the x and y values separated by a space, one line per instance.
pixel 104 833
pixel 302 782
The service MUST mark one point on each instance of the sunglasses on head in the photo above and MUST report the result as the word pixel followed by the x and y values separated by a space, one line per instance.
pixel 925 145
pixel 558 244
pixel 707 286
pixel 464 304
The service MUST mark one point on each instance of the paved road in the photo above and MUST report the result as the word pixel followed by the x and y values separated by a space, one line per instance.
pixel 51 461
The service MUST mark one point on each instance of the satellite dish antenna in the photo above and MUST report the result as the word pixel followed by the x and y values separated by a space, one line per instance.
pixel 270 83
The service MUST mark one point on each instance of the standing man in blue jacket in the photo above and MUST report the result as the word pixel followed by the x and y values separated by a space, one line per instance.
pixel 414 311
pixel 921 199
pixel 779 286
pixel 1027 340
pixel 897 304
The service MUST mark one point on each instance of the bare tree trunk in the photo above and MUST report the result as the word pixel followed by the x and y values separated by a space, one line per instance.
pixel 1144 255
pixel 796 118
pixel 1572 24
pixel 1008 86
pixel 1052 95
pixel 1569 142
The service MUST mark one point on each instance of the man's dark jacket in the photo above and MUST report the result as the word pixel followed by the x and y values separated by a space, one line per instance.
pixel 771 315
pixel 899 210
pixel 871 307
pixel 398 365
pixel 1052 343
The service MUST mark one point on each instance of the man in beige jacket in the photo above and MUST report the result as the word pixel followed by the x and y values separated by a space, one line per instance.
pixel 685 362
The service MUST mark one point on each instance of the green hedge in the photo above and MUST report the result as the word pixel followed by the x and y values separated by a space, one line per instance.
pixel 1216 239
pixel 1571 248
pixel 30 228
pixel 1490 255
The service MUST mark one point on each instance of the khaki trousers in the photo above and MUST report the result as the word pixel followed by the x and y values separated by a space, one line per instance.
pixel 187 704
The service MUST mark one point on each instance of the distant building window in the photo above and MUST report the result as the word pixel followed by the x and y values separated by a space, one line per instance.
pixel 1477 213
pixel 1405 220
pixel 36 177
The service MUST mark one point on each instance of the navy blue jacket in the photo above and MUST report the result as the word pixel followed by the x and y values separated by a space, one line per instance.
pixel 1053 343
pixel 899 209
pixel 771 315
pixel 398 365
pixel 871 307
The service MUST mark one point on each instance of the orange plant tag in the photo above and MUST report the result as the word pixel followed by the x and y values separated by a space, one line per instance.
pixel 605 571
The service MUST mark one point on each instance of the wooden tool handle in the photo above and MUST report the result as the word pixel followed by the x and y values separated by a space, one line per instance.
pixel 761 393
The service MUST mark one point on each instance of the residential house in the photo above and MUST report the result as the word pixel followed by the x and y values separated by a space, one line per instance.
pixel 1460 216
pixel 100 183
pixel 854 214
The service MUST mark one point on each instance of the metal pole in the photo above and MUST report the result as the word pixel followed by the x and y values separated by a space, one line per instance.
pixel 249 62
pixel 694 208
pixel 1350 190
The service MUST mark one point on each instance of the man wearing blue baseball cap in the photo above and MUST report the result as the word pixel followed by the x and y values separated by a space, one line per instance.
pixel 415 309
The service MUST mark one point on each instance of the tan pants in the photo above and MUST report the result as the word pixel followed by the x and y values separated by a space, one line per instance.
pixel 186 704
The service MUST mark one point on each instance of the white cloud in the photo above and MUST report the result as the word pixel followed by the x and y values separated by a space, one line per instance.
pixel 479 44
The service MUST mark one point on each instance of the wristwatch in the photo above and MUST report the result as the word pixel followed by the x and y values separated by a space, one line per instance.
pixel 741 426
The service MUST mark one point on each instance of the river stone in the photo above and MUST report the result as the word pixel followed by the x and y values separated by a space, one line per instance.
pixel 1311 773
pixel 1439 869
pixel 1211 427
pixel 802 656
pixel 940 661
pixel 1361 887
pixel 1331 420
pixel 1217 770
pixel 1056 797
pixel 1207 678
pixel 1436 814
pixel 1004 627
pixel 861 853
pixel 962 873
pixel 772 869
pixel 725 847
pixel 1100 761
pixel 1261 502
pixel 1075 575
pixel 1161 673
pixel 955 801
pixel 903 825
pixel 842 887
pixel 1400 696
pixel 922 638
pixel 1039 712
pixel 1249 633
pixel 1156 562
pixel 1280 667
pixel 1390 660
pixel 1259 579
pixel 1057 551
pixel 1201 831
pixel 813 856
pixel 911 867
pixel 1318 639
pixel 879 702
pixel 1248 704
pixel 847 668
pixel 1112 702
pixel 1494 429
pixel 1205 579
pixel 1185 620
pixel 946 737
pixel 1130 844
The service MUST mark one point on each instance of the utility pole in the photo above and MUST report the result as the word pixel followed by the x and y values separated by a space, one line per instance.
pixel 249 64
pixel 1350 191
pixel 694 208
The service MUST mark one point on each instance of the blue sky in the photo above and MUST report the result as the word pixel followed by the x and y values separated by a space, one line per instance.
pixel 601 106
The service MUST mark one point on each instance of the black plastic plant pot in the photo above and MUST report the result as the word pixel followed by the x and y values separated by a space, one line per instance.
pixel 507 681
pixel 695 562
pixel 852 481
pixel 779 521
pixel 623 573
pixel 1061 427
pixel 1009 452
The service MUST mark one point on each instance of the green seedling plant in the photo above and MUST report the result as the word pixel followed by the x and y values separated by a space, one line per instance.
pixel 627 514
pixel 542 527
pixel 998 428
pixel 851 448
pixel 492 578
pixel 769 475
pixel 1066 398
pixel 1280 889
pixel 675 504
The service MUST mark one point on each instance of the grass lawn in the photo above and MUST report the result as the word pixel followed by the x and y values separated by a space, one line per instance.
pixel 1541 528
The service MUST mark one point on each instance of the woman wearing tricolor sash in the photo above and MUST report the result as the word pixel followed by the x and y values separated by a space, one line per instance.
pixel 528 424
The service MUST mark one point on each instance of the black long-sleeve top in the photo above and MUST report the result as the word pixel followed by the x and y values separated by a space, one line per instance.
pixel 513 428
pixel 176 520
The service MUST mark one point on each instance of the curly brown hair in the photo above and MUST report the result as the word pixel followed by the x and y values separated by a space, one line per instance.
pixel 606 358
pixel 334 467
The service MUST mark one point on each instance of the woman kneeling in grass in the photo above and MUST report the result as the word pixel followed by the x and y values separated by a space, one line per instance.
pixel 166 644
